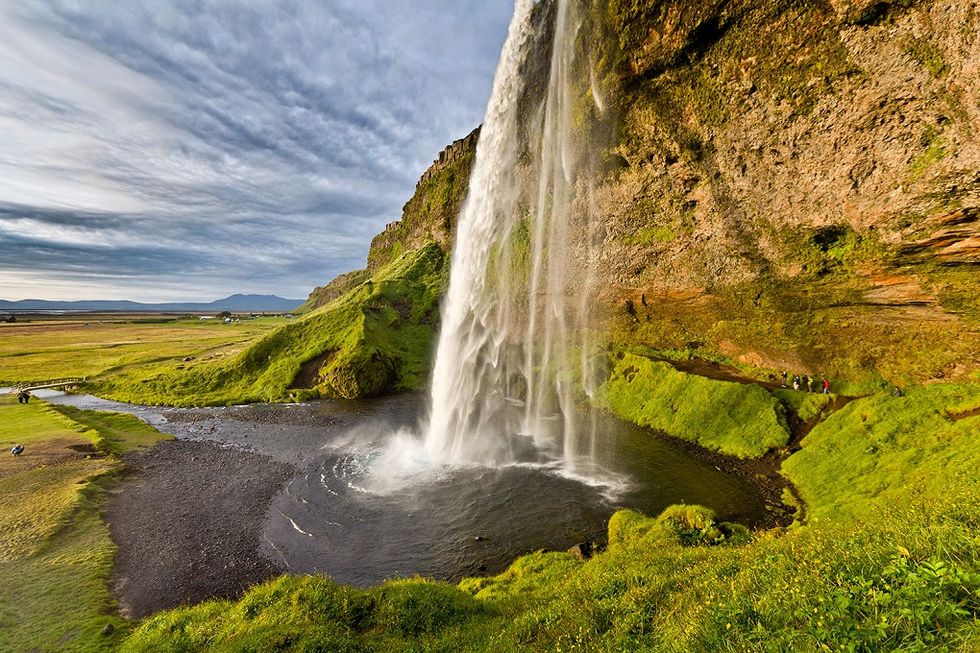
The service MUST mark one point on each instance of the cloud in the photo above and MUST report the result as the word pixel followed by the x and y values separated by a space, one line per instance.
pixel 191 149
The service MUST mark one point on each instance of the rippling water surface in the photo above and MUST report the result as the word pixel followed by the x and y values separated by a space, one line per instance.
pixel 350 513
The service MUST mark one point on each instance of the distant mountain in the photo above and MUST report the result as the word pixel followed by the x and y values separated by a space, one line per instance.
pixel 234 303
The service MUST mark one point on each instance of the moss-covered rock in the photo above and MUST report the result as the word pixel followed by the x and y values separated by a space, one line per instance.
pixel 375 338
pixel 430 215
pixel 735 418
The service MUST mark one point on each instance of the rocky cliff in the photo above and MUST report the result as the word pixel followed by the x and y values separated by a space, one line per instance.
pixel 795 184
pixel 430 215
pixel 788 184
pixel 782 184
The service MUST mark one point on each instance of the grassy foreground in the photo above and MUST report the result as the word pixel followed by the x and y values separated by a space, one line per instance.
pixel 55 550
pixel 889 559
pixel 377 337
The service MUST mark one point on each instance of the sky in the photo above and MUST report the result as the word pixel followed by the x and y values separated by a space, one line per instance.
pixel 190 149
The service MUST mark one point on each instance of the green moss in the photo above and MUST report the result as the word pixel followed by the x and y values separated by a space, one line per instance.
pixel 935 149
pixel 928 55
pixel 735 418
pixel 878 450
pixel 687 525
pixel 375 338
pixel 313 614
pixel 807 406
pixel 528 576
pixel 416 607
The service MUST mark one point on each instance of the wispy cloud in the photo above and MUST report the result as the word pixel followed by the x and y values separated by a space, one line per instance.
pixel 191 149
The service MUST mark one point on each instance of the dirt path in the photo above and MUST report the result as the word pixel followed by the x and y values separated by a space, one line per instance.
pixel 187 520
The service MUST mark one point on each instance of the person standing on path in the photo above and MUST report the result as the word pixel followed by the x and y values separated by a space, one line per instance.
pixel 826 386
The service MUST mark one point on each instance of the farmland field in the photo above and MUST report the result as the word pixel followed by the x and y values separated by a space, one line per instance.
pixel 92 345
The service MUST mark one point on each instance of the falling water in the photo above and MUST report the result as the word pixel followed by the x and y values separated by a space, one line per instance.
pixel 514 345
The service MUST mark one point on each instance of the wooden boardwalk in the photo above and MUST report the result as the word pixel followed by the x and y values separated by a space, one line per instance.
pixel 49 384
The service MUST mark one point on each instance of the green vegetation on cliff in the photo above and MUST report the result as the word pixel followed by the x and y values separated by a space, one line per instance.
pixel 430 215
pixel 898 569
pixel 375 338
pixel 734 418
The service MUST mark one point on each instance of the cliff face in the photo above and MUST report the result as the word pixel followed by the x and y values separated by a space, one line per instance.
pixel 429 216
pixel 795 184
pixel 785 184
pixel 431 213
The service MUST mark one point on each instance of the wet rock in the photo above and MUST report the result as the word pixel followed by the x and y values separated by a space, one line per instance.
pixel 582 550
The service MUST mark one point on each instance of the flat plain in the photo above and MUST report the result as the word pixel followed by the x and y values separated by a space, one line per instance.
pixel 91 345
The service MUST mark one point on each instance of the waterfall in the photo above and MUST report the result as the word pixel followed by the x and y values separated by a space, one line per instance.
pixel 514 345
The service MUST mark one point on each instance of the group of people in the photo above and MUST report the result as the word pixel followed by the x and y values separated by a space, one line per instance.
pixel 807 383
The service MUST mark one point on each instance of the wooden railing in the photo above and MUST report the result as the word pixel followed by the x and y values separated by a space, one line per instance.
pixel 28 386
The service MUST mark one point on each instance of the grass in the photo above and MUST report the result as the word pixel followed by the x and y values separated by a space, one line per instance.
pixel 55 551
pixel 734 418
pixel 64 348
pixel 897 569
pixel 874 452
pixel 808 406
pixel 375 338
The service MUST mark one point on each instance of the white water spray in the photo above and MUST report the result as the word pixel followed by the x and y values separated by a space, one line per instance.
pixel 513 345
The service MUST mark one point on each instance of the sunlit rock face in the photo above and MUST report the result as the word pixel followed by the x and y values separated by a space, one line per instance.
pixel 797 184
pixel 776 183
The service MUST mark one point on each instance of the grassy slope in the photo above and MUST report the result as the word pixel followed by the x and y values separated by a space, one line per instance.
pixel 55 551
pixel 62 348
pixel 897 569
pixel 734 418
pixel 893 446
pixel 375 338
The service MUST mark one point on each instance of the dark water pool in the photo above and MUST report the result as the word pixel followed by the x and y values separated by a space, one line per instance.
pixel 343 515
